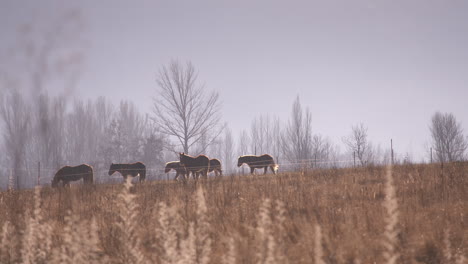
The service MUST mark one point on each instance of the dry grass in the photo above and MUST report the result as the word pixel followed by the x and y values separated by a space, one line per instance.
pixel 409 214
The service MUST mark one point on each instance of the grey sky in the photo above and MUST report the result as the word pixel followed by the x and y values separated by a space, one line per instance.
pixel 388 64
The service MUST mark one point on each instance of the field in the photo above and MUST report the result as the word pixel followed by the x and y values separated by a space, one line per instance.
pixel 404 214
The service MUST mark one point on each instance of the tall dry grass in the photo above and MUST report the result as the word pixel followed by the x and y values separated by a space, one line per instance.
pixel 406 214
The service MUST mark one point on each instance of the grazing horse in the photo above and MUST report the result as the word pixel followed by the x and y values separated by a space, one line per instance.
pixel 132 169
pixel 195 165
pixel 258 162
pixel 180 170
pixel 215 165
pixel 68 174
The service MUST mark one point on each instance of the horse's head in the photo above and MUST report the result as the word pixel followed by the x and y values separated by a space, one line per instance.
pixel 182 158
pixel 56 179
pixel 240 161
pixel 112 169
pixel 55 182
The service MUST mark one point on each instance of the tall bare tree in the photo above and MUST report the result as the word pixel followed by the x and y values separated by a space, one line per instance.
pixel 228 150
pixel 46 59
pixel 358 143
pixel 447 137
pixel 16 122
pixel 297 137
pixel 184 109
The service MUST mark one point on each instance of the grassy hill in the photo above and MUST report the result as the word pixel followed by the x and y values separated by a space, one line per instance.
pixel 409 213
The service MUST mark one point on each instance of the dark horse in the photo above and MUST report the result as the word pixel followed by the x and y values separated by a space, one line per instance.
pixel 180 170
pixel 68 174
pixel 195 165
pixel 258 162
pixel 132 169
pixel 215 165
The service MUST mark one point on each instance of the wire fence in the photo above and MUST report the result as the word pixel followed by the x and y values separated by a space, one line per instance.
pixel 45 175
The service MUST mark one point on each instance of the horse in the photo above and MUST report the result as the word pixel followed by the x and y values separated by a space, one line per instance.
pixel 68 174
pixel 258 162
pixel 195 165
pixel 180 170
pixel 133 169
pixel 215 165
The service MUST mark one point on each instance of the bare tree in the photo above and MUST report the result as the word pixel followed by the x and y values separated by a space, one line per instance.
pixel 297 137
pixel 228 150
pixel 448 141
pixel 183 109
pixel 265 132
pixel 15 114
pixel 322 150
pixel 358 143
pixel 46 59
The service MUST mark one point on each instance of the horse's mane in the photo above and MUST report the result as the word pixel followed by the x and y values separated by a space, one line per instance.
pixel 193 157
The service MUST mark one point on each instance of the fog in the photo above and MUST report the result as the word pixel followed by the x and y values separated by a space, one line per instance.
pixel 79 82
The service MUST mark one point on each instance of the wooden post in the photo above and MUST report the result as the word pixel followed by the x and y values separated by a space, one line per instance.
pixel 431 155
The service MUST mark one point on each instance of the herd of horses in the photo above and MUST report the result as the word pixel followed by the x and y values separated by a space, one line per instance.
pixel 197 166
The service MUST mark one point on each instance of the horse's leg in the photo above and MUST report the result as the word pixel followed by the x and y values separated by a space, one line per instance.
pixel 265 169
pixel 176 176
pixel 252 169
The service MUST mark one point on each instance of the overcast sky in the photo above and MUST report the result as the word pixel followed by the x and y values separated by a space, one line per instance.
pixel 388 64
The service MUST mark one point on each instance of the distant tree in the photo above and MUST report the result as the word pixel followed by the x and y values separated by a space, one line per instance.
pixel 15 114
pixel 228 150
pixel 297 137
pixel 153 147
pixel 244 143
pixel 265 135
pixel 44 67
pixel 448 141
pixel 183 109
pixel 358 143
pixel 322 150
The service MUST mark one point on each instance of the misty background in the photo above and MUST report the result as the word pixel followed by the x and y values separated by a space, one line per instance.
pixel 87 72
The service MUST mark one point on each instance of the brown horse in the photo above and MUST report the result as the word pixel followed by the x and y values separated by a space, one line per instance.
pixel 68 174
pixel 179 169
pixel 195 165
pixel 215 165
pixel 133 169
pixel 258 162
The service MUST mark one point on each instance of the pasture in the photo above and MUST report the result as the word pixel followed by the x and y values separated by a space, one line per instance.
pixel 320 216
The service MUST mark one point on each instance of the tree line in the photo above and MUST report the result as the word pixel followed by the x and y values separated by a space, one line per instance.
pixel 44 128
